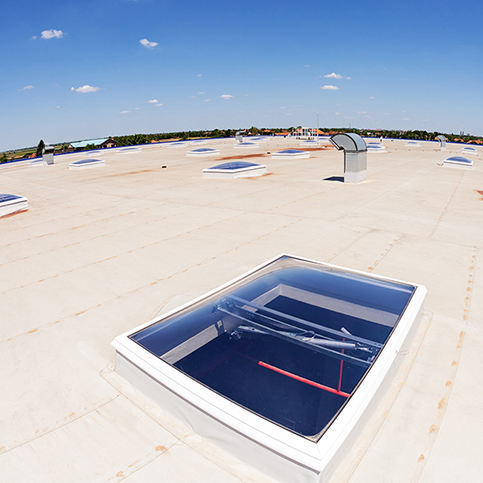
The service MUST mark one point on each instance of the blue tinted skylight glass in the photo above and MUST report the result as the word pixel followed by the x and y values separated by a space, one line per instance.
pixel 292 151
pixel 459 159
pixel 290 342
pixel 203 150
pixel 87 161
pixel 234 165
pixel 6 197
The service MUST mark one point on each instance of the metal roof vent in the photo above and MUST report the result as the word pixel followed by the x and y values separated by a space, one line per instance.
pixel 442 141
pixel 48 155
pixel 355 156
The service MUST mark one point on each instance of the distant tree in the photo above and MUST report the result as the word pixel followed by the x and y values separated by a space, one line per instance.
pixel 3 158
pixel 40 148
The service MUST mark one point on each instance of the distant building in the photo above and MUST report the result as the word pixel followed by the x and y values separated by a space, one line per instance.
pixel 98 143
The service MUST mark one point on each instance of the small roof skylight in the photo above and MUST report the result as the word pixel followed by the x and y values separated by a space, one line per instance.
pixel 234 165
pixel 246 144
pixel 86 163
pixel 203 152
pixel 12 204
pixel 292 153
pixel 458 161
pixel 128 150
pixel 6 197
pixel 235 169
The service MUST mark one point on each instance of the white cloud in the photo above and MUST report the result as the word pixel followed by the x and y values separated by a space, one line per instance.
pixel 201 93
pixel 153 101
pixel 329 87
pixel 207 99
pixel 307 66
pixel 333 75
pixel 126 111
pixel 137 109
pixel 226 96
pixel 159 104
pixel 199 75
pixel 52 34
pixel 405 118
pixel 27 88
pixel 58 107
pixel 85 89
pixel 371 98
pixel 148 44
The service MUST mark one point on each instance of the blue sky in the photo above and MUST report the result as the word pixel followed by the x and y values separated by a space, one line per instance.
pixel 78 69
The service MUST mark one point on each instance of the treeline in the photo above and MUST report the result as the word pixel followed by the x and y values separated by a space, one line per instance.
pixel 416 135
pixel 133 139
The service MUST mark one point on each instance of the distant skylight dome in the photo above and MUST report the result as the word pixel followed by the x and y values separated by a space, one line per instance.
pixel 376 148
pixel 246 145
pixel 38 162
pixel 203 152
pixel 309 142
pixel 235 169
pixel 176 144
pixel 291 153
pixel 86 163
pixel 413 144
pixel 128 150
pixel 12 204
pixel 469 150
pixel 457 161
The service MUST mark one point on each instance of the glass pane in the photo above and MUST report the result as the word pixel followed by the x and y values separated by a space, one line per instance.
pixel 290 342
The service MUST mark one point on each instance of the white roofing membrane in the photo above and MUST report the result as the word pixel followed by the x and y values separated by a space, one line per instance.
pixel 129 242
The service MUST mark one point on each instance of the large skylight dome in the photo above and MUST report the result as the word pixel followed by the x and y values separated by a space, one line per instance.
pixel 293 351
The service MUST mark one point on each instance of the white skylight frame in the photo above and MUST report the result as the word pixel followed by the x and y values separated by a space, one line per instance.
pixel 316 456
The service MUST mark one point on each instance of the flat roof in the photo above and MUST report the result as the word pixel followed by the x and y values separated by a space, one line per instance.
pixel 133 240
